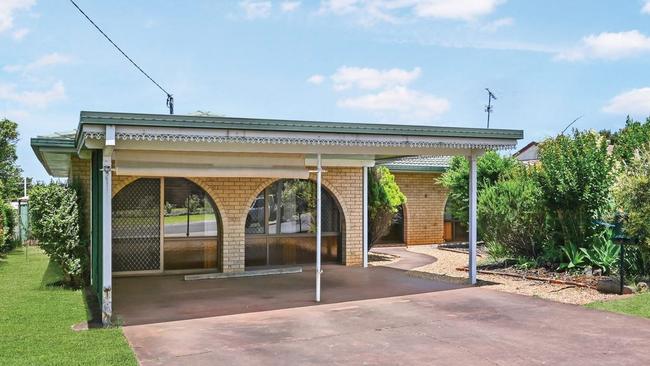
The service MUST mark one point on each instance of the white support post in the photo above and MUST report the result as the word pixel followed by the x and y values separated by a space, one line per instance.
pixel 107 241
pixel 318 227
pixel 472 218
pixel 365 217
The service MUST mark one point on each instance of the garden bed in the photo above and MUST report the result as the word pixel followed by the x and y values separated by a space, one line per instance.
pixel 540 274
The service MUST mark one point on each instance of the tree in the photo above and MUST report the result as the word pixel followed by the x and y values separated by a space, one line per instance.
pixel 490 167
pixel 384 200
pixel 10 172
pixel 628 140
pixel 576 177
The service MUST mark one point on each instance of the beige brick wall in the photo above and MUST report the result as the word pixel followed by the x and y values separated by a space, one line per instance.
pixel 79 175
pixel 234 196
pixel 425 207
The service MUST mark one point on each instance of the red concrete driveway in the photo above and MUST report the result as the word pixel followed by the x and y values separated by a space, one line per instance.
pixel 367 320
pixel 472 326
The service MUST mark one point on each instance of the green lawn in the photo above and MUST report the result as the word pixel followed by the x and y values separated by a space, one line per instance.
pixel 638 305
pixel 35 319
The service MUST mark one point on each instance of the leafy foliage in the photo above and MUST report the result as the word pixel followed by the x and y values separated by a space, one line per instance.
pixel 511 212
pixel 384 199
pixel 490 167
pixel 576 177
pixel 576 257
pixel 604 254
pixel 629 139
pixel 10 173
pixel 54 219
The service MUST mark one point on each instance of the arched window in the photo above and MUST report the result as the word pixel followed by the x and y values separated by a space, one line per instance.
pixel 280 226
pixel 189 239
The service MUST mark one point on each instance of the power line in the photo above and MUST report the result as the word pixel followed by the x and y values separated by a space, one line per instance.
pixel 170 97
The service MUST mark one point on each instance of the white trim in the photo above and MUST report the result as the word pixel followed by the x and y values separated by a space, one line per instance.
pixel 472 216
pixel 107 241
pixel 319 173
pixel 126 133
pixel 365 217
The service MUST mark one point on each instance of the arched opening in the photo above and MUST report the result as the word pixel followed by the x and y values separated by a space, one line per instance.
pixel 396 233
pixel 165 224
pixel 280 225
pixel 454 229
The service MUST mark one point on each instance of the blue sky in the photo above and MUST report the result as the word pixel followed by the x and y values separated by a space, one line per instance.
pixel 391 61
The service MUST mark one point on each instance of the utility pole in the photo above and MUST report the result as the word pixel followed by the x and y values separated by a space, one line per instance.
pixel 488 107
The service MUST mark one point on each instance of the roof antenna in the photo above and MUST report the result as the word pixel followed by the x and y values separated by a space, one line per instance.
pixel 488 107
pixel 170 98
pixel 570 124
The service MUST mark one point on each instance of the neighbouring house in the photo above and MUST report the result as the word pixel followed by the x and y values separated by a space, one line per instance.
pixel 188 194
pixel 528 154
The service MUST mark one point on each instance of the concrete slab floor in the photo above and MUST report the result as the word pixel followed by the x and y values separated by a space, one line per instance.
pixel 470 326
pixel 153 299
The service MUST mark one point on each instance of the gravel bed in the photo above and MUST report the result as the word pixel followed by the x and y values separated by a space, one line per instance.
pixel 448 262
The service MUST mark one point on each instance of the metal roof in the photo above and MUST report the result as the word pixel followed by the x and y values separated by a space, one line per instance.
pixel 259 124
pixel 419 163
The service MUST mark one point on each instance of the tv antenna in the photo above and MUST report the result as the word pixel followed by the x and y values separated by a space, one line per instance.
pixel 570 124
pixel 488 107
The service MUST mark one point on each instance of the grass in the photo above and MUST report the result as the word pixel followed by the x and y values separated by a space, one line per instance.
pixel 181 219
pixel 638 305
pixel 36 319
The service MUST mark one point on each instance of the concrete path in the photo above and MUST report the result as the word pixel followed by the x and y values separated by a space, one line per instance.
pixel 471 326
pixel 408 260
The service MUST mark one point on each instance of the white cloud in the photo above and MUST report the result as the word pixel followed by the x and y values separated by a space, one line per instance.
pixel 256 9
pixel 368 78
pixel 456 9
pixel 316 79
pixel 289 6
pixel 8 9
pixel 633 102
pixel 19 34
pixel 392 11
pixel 608 46
pixel 399 99
pixel 495 25
pixel 44 61
pixel 646 7
pixel 33 98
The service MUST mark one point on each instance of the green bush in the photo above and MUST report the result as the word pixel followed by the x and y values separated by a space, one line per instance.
pixel 490 167
pixel 632 196
pixel 575 256
pixel 384 199
pixel 511 213
pixel 8 240
pixel 54 219
pixel 576 178
pixel 604 254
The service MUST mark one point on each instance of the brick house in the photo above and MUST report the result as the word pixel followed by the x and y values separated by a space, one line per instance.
pixel 202 195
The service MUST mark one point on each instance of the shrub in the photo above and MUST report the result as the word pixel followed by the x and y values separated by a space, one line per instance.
pixel 7 228
pixel 575 256
pixel 490 167
pixel 576 177
pixel 632 196
pixel 54 219
pixel 604 254
pixel 384 199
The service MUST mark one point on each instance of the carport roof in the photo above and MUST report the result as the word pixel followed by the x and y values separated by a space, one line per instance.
pixel 54 150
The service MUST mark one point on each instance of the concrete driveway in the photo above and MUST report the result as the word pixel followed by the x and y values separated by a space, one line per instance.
pixel 449 326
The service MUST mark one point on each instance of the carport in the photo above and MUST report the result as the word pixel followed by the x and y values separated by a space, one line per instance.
pixel 173 194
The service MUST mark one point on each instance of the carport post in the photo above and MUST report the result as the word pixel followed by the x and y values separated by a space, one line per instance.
pixel 365 217
pixel 107 241
pixel 319 172
pixel 472 217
